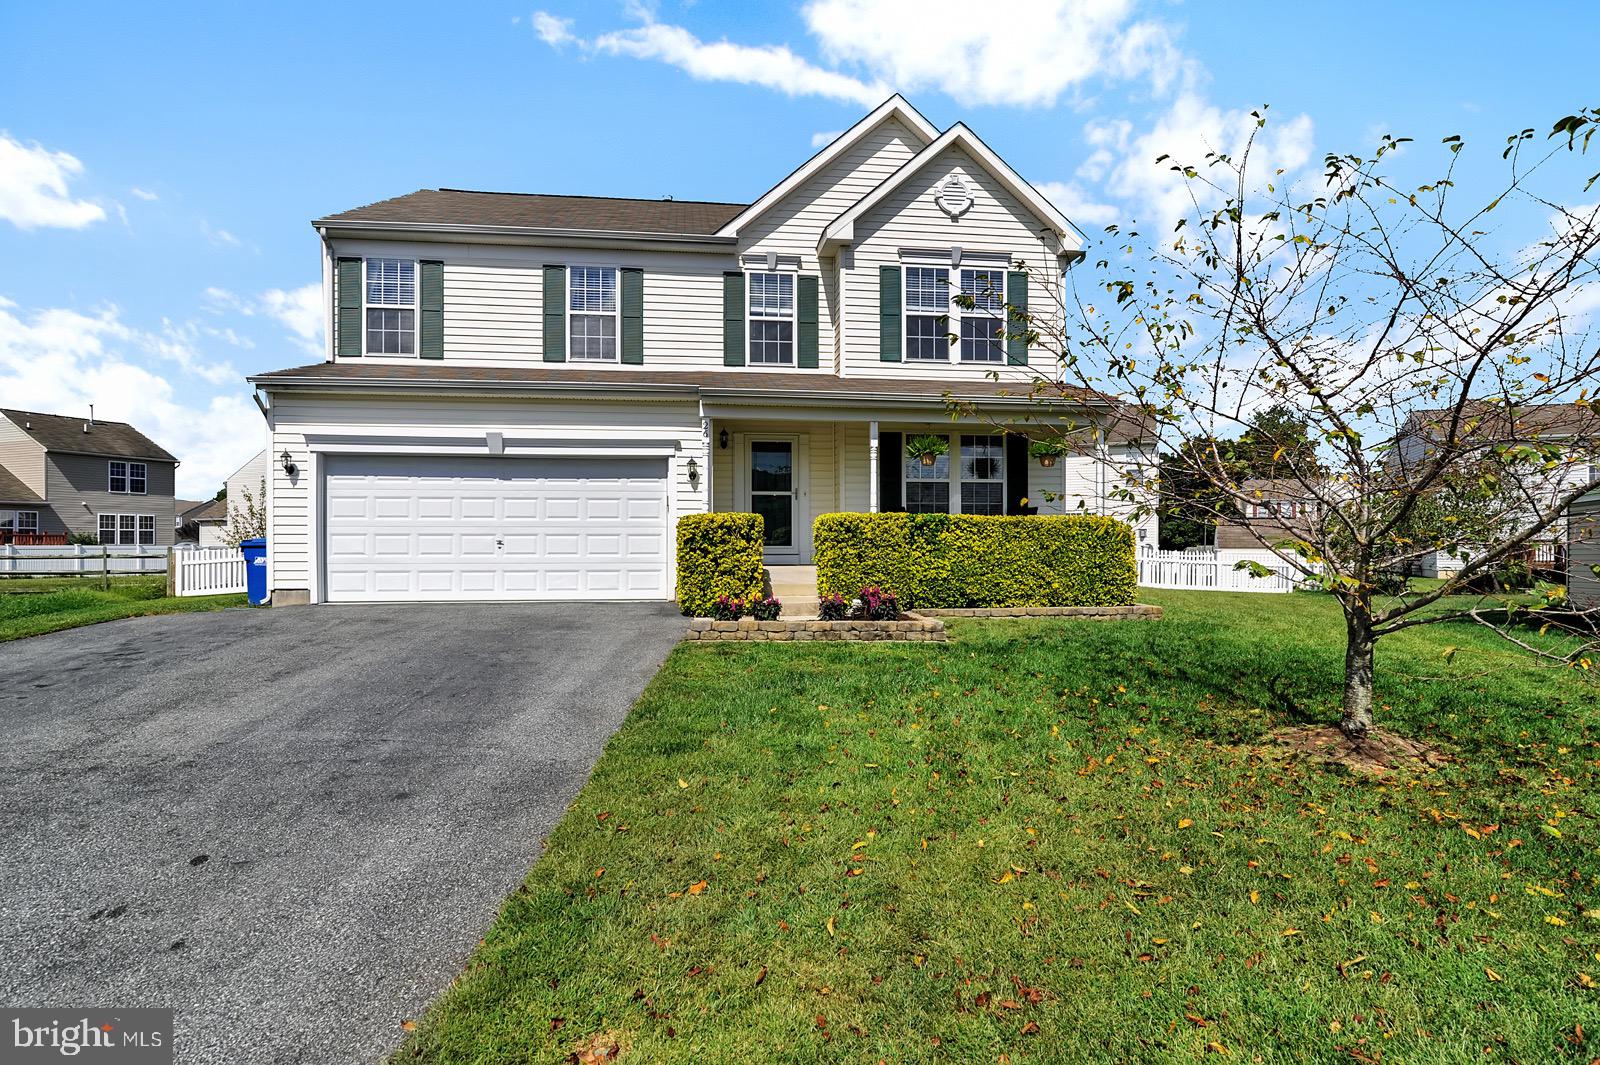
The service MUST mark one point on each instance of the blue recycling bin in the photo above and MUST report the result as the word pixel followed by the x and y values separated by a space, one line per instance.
pixel 255 569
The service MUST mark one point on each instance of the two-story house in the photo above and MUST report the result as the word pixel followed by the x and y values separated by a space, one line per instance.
pixel 522 393
pixel 61 475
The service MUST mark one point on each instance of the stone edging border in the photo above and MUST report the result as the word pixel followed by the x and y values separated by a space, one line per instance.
pixel 1135 612
pixel 912 627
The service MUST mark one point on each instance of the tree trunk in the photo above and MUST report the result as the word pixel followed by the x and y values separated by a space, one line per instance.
pixel 1358 668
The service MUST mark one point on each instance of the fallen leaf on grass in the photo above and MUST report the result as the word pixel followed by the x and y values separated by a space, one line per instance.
pixel 1218 1048
pixel 1198 1022
pixel 682 783
pixel 1185 822
pixel 1491 974
pixel 697 887
pixel 761 977
pixel 408 1025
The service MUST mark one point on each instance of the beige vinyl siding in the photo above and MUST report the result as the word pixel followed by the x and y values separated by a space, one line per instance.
pixel 909 218
pixel 855 468
pixel 494 301
pixel 22 456
pixel 567 422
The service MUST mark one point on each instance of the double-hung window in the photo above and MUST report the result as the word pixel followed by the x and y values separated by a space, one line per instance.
pixel 127 530
pixel 771 301
pixel 981 326
pixel 391 307
pixel 927 313
pixel 928 486
pixel 592 313
pixel 130 477
pixel 27 521
pixel 983 489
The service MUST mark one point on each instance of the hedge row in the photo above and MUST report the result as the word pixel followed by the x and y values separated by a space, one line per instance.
pixel 718 554
pixel 969 560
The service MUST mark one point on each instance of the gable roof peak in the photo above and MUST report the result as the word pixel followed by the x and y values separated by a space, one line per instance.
pixel 896 106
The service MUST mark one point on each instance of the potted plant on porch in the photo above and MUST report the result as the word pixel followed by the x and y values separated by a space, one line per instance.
pixel 927 448
pixel 1047 451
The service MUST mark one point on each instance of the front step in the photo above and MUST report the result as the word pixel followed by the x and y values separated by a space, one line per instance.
pixel 796 588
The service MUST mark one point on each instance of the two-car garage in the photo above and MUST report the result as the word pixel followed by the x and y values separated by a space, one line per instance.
pixel 420 527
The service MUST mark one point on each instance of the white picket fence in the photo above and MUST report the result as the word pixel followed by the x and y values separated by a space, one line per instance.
pixel 207 571
pixel 86 559
pixel 1214 571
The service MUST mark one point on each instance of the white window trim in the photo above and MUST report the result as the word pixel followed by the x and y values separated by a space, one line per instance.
pixel 416 308
pixel 116 517
pixel 616 312
pixel 127 477
pixel 907 313
pixel 953 477
pixel 16 521
pixel 793 319
pixel 956 314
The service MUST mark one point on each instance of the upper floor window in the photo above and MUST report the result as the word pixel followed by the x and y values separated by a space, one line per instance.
pixel 391 307
pixel 126 477
pixel 1275 508
pixel 981 326
pixel 927 312
pixel 592 313
pixel 771 299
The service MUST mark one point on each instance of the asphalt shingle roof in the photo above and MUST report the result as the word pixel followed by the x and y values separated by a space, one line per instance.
pixel 59 432
pixel 602 214
pixel 12 490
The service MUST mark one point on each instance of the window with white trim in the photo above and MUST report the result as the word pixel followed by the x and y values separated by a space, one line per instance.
pixel 130 477
pixel 983 475
pixel 770 298
pixel 391 307
pixel 147 529
pixel 981 337
pixel 1274 508
pixel 927 313
pixel 127 530
pixel 27 521
pixel 108 529
pixel 927 486
pixel 592 313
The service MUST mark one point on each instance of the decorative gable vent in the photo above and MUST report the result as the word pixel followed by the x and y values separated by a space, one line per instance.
pixel 953 197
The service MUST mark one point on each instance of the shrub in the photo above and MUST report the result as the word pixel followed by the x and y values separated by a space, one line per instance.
pixel 718 555
pixel 946 560
pixel 766 609
pixel 727 608
pixel 833 607
pixel 878 605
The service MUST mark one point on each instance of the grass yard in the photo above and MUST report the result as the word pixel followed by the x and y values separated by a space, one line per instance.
pixel 31 606
pixel 1056 841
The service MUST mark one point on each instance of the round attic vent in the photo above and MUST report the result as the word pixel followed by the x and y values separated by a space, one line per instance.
pixel 953 196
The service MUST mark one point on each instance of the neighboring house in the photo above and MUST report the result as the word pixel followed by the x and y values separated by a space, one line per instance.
pixel 210 519
pixel 65 475
pixel 183 528
pixel 247 483
pixel 1583 552
pixel 523 393
pixel 1575 428
pixel 1279 509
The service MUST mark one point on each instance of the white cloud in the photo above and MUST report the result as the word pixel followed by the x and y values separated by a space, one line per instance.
pixel 553 30
pixel 299 310
pixel 1078 206
pixel 819 140
pixel 61 360
pixel 1028 55
pixel 33 188
pixel 219 237
pixel 144 194
pixel 770 66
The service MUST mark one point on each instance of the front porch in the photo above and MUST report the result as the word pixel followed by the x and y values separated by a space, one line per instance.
pixel 789 469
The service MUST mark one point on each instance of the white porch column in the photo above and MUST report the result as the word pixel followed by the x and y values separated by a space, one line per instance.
pixel 872 467
pixel 706 456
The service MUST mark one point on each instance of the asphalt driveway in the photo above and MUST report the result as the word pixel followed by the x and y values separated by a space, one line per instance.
pixel 292 826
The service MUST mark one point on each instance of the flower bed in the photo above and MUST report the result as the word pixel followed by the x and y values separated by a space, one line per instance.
pixel 905 628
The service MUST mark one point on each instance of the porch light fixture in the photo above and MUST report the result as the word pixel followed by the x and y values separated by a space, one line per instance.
pixel 722 440
pixel 289 468
pixel 694 474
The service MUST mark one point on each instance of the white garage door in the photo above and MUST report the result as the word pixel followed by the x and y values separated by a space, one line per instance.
pixel 408 528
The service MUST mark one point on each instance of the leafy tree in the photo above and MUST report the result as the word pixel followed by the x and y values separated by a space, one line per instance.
pixel 248 519
pixel 1423 371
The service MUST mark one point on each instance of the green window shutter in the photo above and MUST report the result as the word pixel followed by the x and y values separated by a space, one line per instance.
pixel 890 342
pixel 1017 298
pixel 555 314
pixel 348 283
pixel 733 318
pixel 431 340
pixel 806 321
pixel 632 285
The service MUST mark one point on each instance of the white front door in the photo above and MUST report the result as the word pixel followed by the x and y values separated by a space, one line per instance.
pixel 774 481
pixel 452 528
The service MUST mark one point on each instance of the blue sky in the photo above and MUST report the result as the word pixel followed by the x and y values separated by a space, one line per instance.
pixel 159 163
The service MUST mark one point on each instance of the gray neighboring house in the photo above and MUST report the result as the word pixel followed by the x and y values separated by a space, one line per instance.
pixel 61 475
pixel 1583 552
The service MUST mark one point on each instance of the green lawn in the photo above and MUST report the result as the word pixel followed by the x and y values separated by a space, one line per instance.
pixel 31 606
pixel 1056 841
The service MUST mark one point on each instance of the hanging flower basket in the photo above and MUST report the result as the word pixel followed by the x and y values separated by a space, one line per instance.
pixel 1047 461
pixel 927 449
pixel 1047 451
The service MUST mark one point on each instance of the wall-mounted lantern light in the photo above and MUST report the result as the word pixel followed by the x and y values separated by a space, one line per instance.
pixel 722 440
pixel 694 474
pixel 289 468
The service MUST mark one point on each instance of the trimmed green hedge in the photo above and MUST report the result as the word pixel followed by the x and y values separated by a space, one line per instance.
pixel 971 560
pixel 718 554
